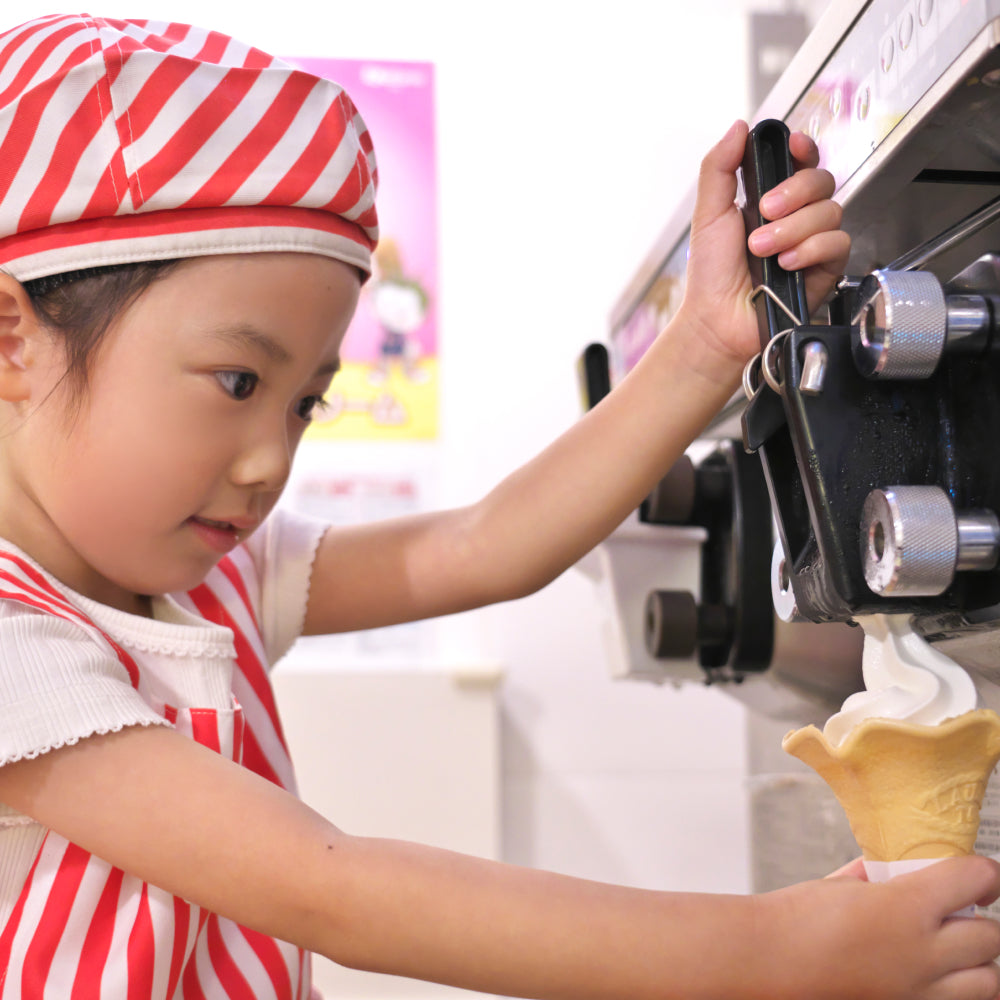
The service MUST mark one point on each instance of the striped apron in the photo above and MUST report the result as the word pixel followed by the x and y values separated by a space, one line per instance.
pixel 84 930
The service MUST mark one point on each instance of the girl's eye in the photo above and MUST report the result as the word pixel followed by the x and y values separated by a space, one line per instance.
pixel 308 406
pixel 239 385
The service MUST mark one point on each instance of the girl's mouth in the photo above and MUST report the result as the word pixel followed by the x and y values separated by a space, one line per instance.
pixel 221 525
pixel 220 536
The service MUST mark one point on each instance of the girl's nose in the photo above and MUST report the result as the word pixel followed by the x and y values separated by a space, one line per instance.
pixel 264 463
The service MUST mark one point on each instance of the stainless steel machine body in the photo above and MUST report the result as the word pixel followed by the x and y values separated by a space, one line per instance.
pixel 878 445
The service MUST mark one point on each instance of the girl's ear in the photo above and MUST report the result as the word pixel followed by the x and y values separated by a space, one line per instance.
pixel 19 333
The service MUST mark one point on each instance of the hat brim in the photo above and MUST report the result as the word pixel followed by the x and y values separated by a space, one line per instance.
pixel 181 233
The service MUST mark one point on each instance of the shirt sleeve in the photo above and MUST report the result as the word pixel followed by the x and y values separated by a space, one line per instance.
pixel 283 551
pixel 58 685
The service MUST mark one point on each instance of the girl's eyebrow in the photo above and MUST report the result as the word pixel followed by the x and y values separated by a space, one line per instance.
pixel 246 336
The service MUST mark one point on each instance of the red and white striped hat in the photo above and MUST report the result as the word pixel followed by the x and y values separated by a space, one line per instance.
pixel 133 140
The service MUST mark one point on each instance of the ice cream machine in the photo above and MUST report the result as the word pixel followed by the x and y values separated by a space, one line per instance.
pixel 857 472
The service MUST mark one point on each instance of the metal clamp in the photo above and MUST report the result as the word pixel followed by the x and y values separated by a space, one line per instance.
pixel 769 359
pixel 751 384
pixel 765 365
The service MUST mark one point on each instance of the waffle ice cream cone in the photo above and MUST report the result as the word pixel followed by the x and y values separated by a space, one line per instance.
pixel 909 791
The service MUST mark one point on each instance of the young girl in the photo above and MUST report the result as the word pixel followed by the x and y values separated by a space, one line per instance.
pixel 185 223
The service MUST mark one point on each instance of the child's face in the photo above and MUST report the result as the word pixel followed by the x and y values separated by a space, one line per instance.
pixel 197 401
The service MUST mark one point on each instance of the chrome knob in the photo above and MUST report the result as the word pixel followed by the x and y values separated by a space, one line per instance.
pixel 901 326
pixel 913 541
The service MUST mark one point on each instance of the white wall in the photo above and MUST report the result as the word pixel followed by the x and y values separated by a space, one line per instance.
pixel 566 134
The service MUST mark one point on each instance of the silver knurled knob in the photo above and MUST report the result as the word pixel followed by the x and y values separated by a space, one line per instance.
pixel 901 325
pixel 912 541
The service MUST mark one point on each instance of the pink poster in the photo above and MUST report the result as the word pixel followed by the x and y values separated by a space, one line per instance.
pixel 388 385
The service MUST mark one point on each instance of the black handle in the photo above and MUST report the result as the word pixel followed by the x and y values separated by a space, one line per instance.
pixel 766 163
pixel 594 374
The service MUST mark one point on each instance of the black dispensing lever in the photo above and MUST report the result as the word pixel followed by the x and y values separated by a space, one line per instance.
pixel 779 295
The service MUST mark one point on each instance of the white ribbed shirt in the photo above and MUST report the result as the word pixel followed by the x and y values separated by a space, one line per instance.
pixel 58 686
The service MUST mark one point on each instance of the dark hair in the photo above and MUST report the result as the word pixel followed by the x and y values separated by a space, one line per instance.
pixel 80 306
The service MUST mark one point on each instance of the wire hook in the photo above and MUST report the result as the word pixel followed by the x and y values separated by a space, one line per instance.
pixel 769 292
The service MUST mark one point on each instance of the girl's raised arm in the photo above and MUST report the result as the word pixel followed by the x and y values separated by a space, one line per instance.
pixel 549 513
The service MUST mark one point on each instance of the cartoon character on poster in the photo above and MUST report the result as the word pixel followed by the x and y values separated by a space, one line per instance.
pixel 400 306
pixel 387 387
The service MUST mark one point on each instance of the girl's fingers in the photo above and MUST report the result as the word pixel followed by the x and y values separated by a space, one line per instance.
pixel 804 151
pixel 954 883
pixel 802 188
pixel 717 178
pixel 980 983
pixel 815 219
pixel 828 251
pixel 969 942
pixel 853 869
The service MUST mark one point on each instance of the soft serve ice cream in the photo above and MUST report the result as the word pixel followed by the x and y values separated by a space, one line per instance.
pixel 905 678
pixel 909 757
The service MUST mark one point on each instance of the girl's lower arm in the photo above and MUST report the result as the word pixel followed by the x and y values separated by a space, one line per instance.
pixel 202 828
pixel 480 925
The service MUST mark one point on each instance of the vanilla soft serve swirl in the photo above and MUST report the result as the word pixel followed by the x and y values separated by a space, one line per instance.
pixel 905 679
